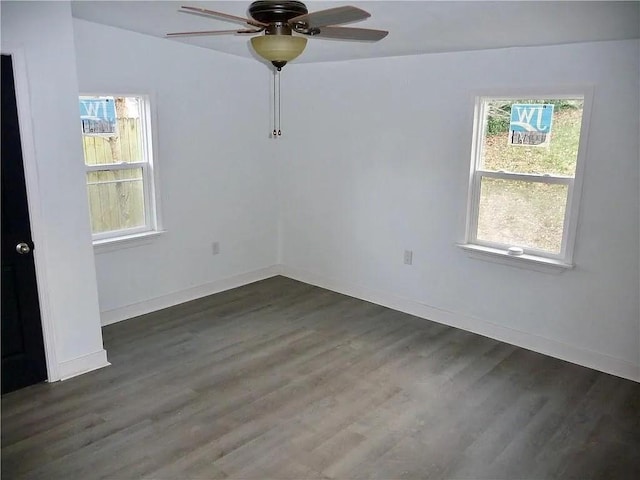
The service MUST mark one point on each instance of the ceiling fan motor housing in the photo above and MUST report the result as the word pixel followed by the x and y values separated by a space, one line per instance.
pixel 267 11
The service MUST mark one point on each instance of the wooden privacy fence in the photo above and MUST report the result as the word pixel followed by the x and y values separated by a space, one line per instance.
pixel 124 147
pixel 116 195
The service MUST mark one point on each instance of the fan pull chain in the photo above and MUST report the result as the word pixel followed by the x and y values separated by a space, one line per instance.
pixel 274 133
pixel 279 106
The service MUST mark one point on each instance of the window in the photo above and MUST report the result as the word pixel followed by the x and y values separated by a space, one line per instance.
pixel 527 156
pixel 116 137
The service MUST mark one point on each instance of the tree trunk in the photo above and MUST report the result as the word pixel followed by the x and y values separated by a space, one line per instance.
pixel 115 143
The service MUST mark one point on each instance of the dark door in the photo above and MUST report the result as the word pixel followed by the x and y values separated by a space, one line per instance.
pixel 23 361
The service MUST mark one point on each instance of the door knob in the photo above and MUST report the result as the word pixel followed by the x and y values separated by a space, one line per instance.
pixel 23 248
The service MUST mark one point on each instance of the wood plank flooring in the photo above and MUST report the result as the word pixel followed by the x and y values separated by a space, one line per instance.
pixel 279 379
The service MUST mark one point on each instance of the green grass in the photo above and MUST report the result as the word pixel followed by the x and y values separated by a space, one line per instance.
pixel 559 158
pixel 523 214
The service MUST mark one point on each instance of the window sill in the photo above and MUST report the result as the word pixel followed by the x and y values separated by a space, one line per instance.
pixel 531 262
pixel 117 243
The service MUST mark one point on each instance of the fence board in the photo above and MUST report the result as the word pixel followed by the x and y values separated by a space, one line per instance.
pixel 118 205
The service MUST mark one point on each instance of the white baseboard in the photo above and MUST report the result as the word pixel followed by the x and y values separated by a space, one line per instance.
pixel 84 364
pixel 129 311
pixel 546 346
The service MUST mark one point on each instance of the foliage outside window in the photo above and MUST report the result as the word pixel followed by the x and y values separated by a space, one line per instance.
pixel 116 138
pixel 522 195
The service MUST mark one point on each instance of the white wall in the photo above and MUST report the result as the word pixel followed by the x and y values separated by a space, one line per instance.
pixel 216 173
pixel 381 164
pixel 374 160
pixel 40 34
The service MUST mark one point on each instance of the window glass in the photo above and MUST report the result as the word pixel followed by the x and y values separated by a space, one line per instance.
pixel 124 144
pixel 558 158
pixel 524 214
pixel 116 199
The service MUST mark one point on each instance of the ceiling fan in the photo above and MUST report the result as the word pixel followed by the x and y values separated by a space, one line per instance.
pixel 280 19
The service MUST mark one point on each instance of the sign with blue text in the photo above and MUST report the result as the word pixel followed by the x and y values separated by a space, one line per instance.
pixel 98 115
pixel 530 124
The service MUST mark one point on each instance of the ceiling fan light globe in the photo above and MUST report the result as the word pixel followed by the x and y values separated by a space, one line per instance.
pixel 278 48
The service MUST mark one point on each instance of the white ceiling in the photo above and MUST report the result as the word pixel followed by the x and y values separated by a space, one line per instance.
pixel 415 26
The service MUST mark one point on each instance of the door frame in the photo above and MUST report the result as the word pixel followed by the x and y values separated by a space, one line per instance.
pixel 34 203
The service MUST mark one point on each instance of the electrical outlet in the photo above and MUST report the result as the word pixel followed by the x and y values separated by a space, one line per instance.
pixel 215 248
pixel 408 257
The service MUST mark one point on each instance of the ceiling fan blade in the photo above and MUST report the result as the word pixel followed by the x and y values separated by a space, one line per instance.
pixel 331 16
pixel 220 15
pixel 346 33
pixel 213 32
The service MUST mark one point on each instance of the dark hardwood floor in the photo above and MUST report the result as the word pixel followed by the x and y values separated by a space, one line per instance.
pixel 280 379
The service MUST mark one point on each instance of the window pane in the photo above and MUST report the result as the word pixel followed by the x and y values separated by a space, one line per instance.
pixel 523 214
pixel 557 158
pixel 116 199
pixel 125 145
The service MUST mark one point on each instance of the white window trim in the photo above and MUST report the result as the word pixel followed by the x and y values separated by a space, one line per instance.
pixel 113 240
pixel 128 241
pixel 532 262
pixel 540 261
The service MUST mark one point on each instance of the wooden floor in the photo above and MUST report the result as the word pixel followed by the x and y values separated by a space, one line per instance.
pixel 280 379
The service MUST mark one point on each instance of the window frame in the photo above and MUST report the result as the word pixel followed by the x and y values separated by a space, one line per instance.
pixel 153 225
pixel 499 251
